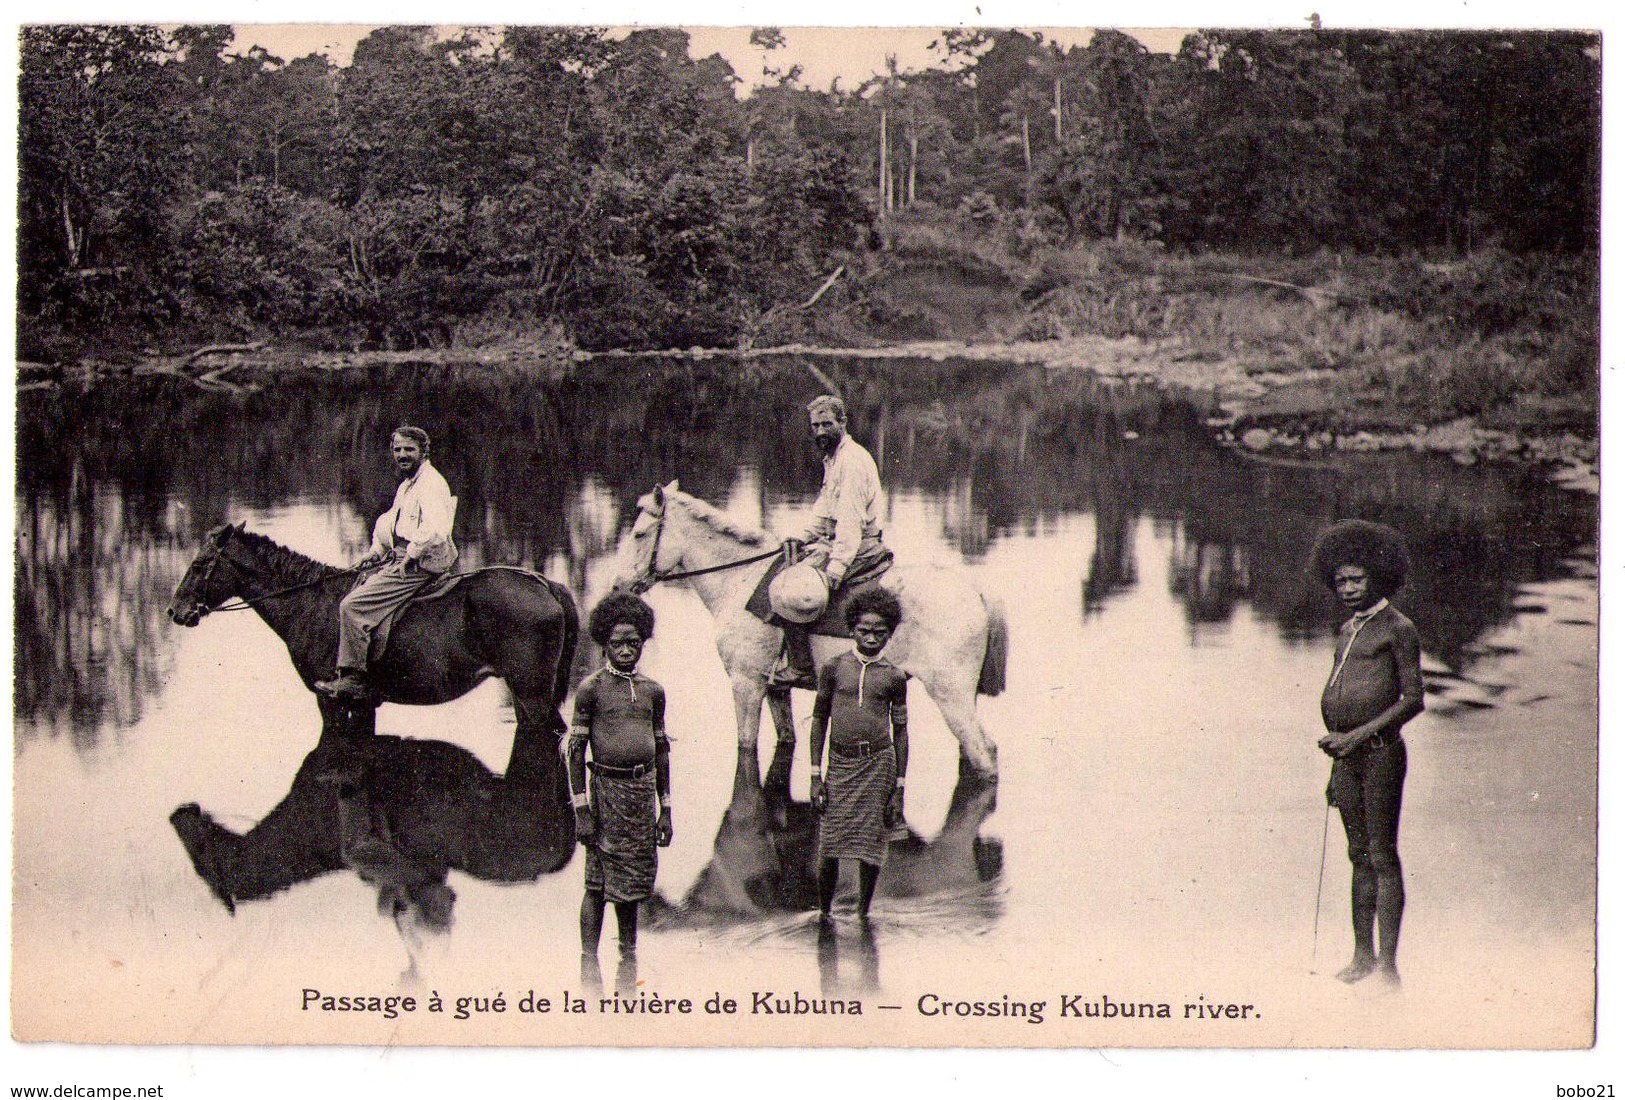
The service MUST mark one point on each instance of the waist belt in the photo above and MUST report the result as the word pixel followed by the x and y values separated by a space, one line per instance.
pixel 859 750
pixel 1380 740
pixel 635 771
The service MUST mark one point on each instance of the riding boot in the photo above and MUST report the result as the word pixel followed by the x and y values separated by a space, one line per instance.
pixel 348 684
pixel 794 668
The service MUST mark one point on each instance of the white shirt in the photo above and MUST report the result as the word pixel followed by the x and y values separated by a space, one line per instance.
pixel 848 505
pixel 421 517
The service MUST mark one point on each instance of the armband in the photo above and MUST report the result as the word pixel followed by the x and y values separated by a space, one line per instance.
pixel 579 801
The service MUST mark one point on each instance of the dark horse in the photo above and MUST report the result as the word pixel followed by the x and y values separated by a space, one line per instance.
pixel 503 622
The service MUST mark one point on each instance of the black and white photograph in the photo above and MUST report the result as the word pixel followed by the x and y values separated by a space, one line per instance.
pixel 719 534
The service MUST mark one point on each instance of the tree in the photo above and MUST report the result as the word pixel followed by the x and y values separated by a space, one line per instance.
pixel 1100 176
pixel 1264 150
pixel 101 153
pixel 98 147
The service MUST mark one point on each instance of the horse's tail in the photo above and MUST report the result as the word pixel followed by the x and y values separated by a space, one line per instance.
pixel 567 647
pixel 997 653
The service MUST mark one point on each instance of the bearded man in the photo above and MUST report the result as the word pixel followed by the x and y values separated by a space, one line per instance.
pixel 844 536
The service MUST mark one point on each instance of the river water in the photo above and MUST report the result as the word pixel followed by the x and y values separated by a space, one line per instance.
pixel 1156 833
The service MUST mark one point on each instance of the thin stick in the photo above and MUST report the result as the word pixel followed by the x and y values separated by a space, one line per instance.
pixel 1320 885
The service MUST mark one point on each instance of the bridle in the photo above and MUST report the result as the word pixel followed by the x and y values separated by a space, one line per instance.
pixel 243 603
pixel 652 576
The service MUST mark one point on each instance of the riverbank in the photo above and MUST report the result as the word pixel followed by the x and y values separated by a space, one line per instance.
pixel 1250 406
pixel 1255 409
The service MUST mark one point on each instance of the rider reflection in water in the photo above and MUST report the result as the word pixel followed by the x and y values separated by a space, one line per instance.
pixel 863 704
pixel 620 715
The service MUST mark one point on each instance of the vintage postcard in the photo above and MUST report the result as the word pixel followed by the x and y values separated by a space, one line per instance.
pixel 807 537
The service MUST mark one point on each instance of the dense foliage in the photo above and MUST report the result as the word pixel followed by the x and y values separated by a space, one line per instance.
pixel 571 185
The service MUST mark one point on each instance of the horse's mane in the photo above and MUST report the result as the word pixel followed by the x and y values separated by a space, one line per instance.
pixel 718 520
pixel 286 563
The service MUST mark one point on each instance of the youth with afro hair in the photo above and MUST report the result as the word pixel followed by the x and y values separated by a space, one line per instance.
pixel 617 608
pixel 862 707
pixel 1374 547
pixel 1374 689
pixel 624 813
pixel 880 601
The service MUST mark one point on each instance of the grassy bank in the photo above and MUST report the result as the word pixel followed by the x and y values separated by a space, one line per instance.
pixel 1342 342
pixel 1302 348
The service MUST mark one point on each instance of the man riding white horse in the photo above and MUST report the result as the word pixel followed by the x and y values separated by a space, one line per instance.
pixel 414 539
pixel 844 538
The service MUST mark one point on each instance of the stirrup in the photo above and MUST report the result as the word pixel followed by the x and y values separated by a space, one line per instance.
pixel 783 675
pixel 346 685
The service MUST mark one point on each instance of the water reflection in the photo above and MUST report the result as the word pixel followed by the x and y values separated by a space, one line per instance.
pixel 88 595
pixel 862 974
pixel 1209 579
pixel 764 862
pixel 118 483
pixel 400 813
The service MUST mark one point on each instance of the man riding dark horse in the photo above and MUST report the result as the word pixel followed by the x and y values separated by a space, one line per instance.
pixel 844 537
pixel 413 542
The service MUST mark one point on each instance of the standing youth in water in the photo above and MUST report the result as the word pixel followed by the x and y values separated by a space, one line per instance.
pixel 863 706
pixel 620 719
pixel 1374 689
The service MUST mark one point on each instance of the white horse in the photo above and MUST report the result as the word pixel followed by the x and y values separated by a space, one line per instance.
pixel 953 638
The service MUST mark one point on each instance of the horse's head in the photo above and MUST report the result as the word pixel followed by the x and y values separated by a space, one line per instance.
pixel 205 586
pixel 646 551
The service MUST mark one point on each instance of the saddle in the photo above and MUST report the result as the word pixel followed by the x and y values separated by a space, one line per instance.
pixel 442 585
pixel 832 623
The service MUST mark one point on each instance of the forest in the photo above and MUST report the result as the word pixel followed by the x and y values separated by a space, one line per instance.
pixel 582 188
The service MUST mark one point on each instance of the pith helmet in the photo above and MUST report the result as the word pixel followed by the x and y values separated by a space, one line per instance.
pixel 799 594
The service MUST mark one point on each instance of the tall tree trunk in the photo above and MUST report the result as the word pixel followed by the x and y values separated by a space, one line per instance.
pixel 1026 146
pixel 1057 108
pixel 70 234
pixel 913 163
pixel 885 174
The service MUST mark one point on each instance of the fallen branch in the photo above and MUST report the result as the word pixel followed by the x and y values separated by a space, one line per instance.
pixel 1320 299
pixel 829 282
pixel 96 272
pixel 221 349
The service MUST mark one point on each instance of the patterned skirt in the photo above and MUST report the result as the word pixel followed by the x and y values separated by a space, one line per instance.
pixel 854 823
pixel 621 859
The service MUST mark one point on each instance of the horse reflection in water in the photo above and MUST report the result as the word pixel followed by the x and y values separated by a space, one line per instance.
pixel 401 813
pixel 762 879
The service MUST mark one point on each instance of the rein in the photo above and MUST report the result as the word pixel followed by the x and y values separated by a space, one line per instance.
pixel 655 577
pixel 685 574
pixel 243 604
